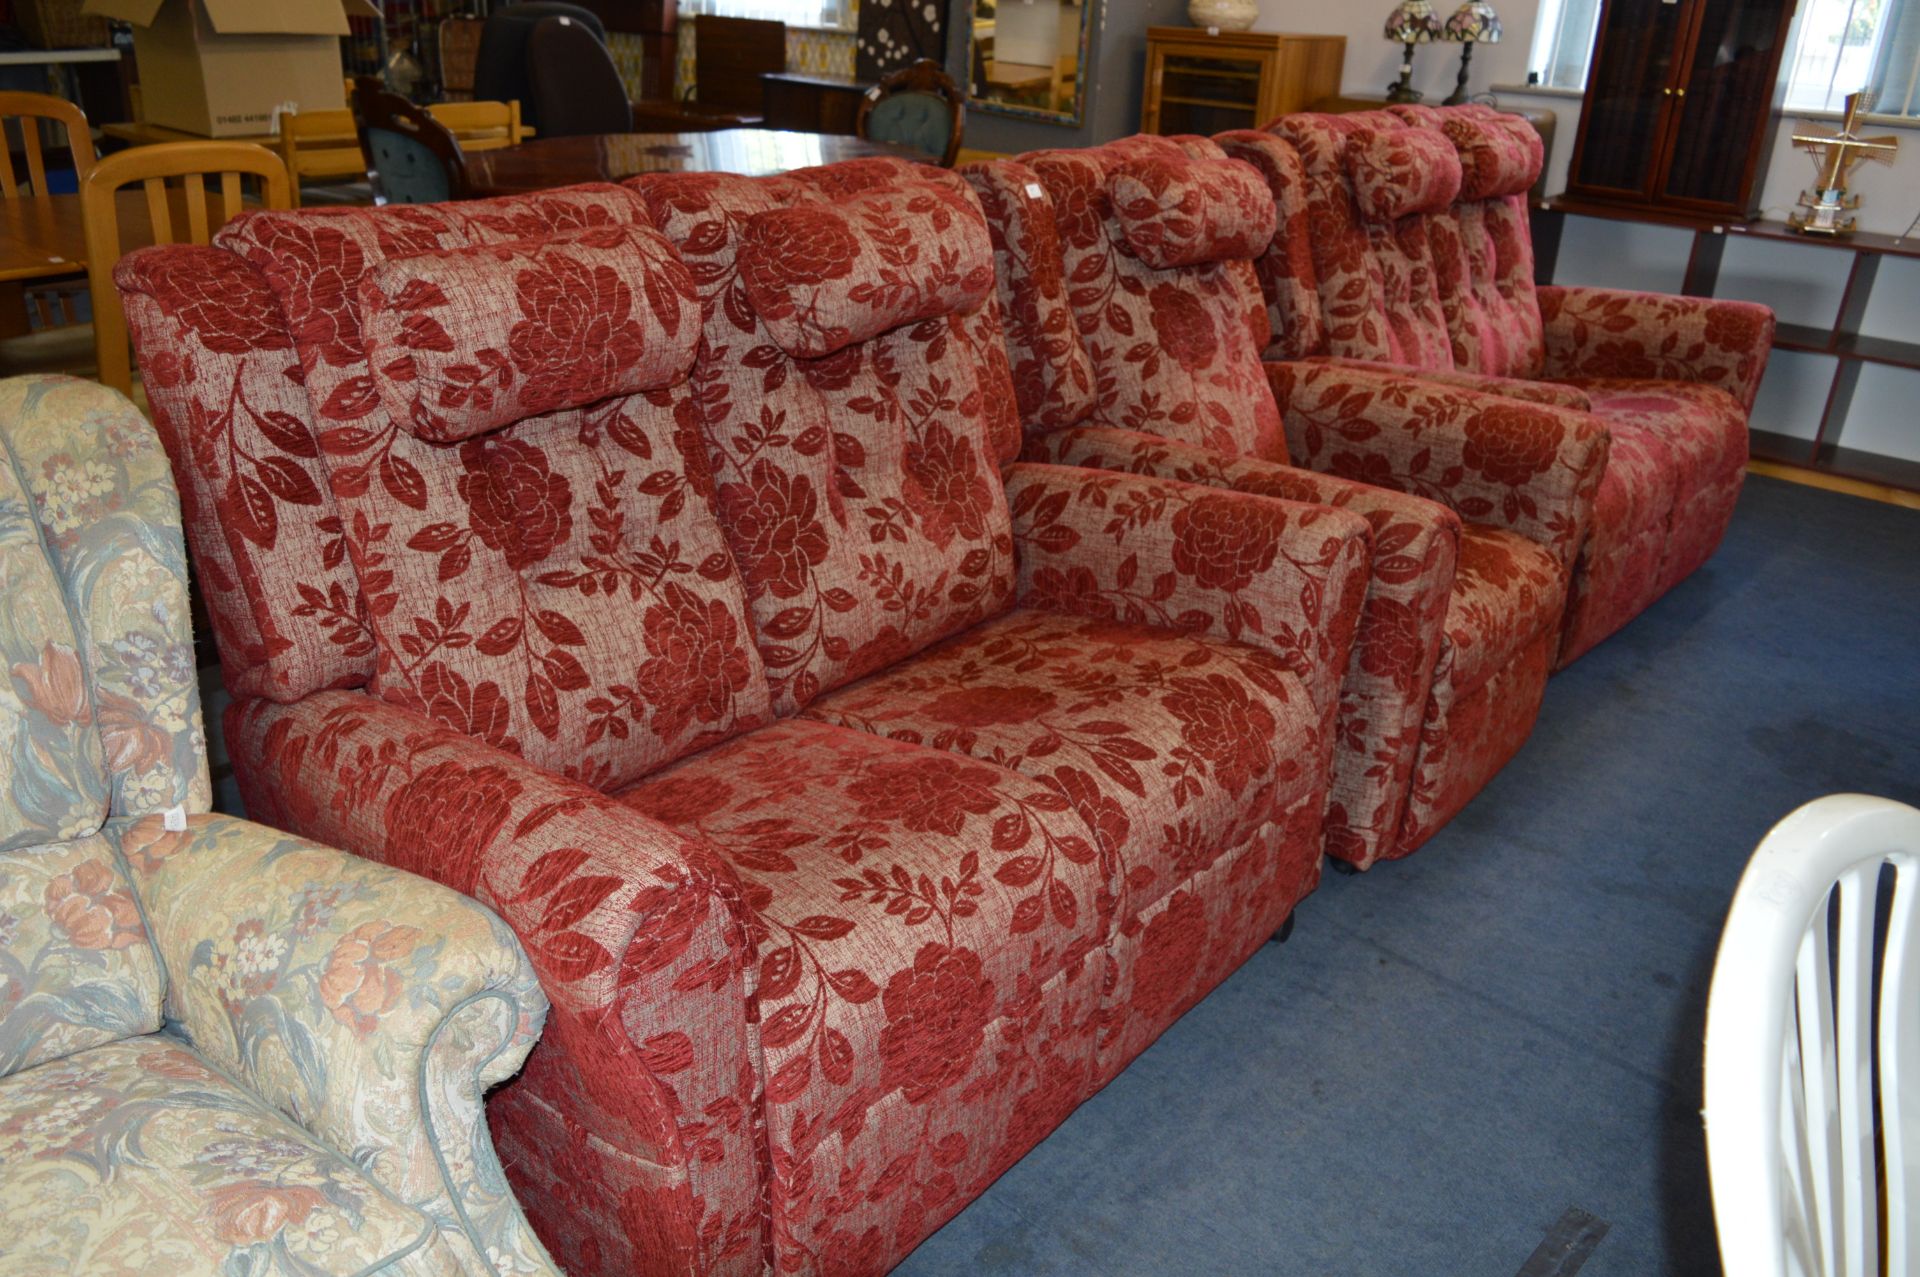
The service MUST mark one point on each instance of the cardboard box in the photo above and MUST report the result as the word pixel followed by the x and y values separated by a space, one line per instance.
pixel 221 68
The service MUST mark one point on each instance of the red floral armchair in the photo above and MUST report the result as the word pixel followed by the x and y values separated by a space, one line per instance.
pixel 1415 229
pixel 642 562
pixel 1136 328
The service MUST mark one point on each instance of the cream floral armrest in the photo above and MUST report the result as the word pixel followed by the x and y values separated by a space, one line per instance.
pixel 371 1006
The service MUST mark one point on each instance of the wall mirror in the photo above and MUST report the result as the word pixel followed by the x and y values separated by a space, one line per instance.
pixel 1026 58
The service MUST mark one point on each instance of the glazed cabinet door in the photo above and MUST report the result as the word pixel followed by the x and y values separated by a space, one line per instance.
pixel 1630 97
pixel 1723 101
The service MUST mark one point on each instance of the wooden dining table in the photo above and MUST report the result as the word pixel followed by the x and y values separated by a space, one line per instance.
pixel 545 163
pixel 44 237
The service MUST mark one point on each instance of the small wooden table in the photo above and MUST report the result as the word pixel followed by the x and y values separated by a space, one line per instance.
pixel 608 157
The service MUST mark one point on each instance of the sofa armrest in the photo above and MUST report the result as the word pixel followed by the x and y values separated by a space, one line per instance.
pixel 1416 546
pixel 640 936
pixel 1531 468
pixel 1611 332
pixel 369 1005
pixel 1546 392
pixel 1277 574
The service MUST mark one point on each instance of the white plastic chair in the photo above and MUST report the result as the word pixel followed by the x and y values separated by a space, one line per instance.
pixel 1792 1072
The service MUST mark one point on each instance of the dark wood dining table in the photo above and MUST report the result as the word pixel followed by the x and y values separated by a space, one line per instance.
pixel 545 163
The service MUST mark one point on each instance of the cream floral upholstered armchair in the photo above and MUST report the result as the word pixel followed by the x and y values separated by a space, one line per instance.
pixel 222 1049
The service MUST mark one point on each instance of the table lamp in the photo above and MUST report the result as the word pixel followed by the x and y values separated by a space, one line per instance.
pixel 1411 22
pixel 1472 23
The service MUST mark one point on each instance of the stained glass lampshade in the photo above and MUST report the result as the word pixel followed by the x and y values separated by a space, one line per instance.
pixel 1474 22
pixel 1413 22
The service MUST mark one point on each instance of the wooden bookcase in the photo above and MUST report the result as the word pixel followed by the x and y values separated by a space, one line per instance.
pixel 1202 83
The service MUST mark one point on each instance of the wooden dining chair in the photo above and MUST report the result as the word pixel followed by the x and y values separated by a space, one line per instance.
pixel 459 55
pixel 412 158
pixel 320 146
pixel 919 107
pixel 192 164
pixel 53 303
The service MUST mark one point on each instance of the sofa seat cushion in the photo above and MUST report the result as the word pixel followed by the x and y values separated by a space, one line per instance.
pixel 1703 425
pixel 874 870
pixel 1506 592
pixel 138 1157
pixel 1176 745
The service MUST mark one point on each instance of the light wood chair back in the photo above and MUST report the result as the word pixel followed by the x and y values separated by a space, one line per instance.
pixel 459 55
pixel 29 109
pixel 227 164
pixel 323 146
pixel 319 146
pixel 482 126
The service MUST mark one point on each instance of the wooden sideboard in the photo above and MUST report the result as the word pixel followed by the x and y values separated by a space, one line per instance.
pixel 1206 83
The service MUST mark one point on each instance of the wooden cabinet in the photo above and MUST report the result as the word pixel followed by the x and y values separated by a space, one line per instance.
pixel 1681 101
pixel 811 103
pixel 1201 83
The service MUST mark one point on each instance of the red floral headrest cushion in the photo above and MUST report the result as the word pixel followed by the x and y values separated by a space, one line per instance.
pixel 823 277
pixel 1500 155
pixel 1184 212
pixel 467 340
pixel 1399 172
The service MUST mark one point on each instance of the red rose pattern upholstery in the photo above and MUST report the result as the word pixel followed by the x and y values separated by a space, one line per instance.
pixel 1193 212
pixel 813 984
pixel 858 490
pixel 622 917
pixel 1483 255
pixel 1607 332
pixel 1398 173
pixel 1676 471
pixel 1174 353
pixel 1378 292
pixel 1379 741
pixel 546 324
pixel 1288 283
pixel 822 278
pixel 1415 546
pixel 226 392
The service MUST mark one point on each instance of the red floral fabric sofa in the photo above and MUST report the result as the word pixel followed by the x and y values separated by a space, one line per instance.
pixel 1136 329
pixel 641 561
pixel 1416 237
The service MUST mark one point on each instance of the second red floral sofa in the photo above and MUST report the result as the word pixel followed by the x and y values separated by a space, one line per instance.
pixel 1404 241
pixel 1136 330
pixel 566 548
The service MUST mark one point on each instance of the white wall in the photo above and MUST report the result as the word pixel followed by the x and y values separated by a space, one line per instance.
pixel 1802 283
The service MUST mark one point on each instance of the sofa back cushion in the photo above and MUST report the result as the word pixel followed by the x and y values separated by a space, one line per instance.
pixel 858 489
pixel 556 586
pixel 1176 351
pixel 1482 244
pixel 542 324
pixel 1289 286
pixel 1190 212
pixel 225 389
pixel 78 968
pixel 1371 192
pixel 1052 376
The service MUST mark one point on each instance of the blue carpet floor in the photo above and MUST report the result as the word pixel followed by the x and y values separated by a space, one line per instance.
pixel 1455 1048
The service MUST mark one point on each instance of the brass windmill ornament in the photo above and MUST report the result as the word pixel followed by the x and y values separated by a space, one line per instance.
pixel 1834 155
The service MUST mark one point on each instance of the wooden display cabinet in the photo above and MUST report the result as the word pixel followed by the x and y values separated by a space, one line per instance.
pixel 1202 83
pixel 1681 103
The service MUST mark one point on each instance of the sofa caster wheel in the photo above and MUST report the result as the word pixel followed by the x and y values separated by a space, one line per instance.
pixel 1286 929
pixel 1343 866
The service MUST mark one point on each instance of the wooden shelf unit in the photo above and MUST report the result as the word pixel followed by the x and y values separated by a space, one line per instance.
pixel 1206 83
pixel 1843 342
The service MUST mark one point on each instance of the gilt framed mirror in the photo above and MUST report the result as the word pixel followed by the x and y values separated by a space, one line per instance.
pixel 1026 57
